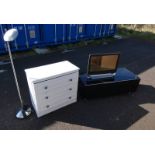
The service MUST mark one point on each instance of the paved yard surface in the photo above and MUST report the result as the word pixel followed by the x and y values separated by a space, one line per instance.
pixel 125 111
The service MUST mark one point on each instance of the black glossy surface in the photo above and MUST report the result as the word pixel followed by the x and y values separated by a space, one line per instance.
pixel 122 74
pixel 124 81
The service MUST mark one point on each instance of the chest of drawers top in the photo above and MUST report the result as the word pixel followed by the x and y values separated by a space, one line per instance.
pixel 38 74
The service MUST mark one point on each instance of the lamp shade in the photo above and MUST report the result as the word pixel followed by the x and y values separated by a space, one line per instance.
pixel 10 35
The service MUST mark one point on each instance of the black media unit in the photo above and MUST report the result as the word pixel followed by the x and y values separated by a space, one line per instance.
pixel 124 81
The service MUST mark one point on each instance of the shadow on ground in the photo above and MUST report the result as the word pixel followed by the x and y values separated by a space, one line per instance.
pixel 115 112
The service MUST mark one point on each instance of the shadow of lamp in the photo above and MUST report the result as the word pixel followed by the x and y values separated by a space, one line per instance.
pixel 24 111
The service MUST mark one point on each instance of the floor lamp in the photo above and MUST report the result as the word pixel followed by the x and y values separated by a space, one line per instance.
pixel 24 111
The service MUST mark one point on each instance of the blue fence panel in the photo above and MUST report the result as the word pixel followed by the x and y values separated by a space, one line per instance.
pixel 33 34
pixel 98 30
pixel 72 34
pixel 109 30
pixel 103 30
pixel 90 29
pixel 28 36
pixel 81 31
pixel 112 29
pixel 53 33
pixel 60 33
pixel 94 31
pixel 47 33
pixel 21 41
pixel 2 43
pixel 76 32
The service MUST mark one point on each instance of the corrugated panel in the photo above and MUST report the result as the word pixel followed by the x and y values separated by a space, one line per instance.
pixel 90 30
pixel 112 29
pixel 47 33
pixel 53 33
pixel 81 31
pixel 109 30
pixel 28 36
pixel 72 34
pixel 32 35
pixel 60 31
pixel 94 31
pixel 2 43
pixel 21 41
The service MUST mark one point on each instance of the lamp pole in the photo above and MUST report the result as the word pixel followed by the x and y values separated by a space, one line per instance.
pixel 24 111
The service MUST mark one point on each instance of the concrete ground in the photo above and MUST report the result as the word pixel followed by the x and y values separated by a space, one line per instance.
pixel 125 111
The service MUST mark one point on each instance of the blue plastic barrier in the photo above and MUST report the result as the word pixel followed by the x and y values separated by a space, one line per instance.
pixel 2 43
pixel 37 35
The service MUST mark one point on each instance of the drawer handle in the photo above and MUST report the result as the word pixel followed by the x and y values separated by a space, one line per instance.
pixel 70 97
pixel 70 80
pixel 45 87
pixel 46 97
pixel 70 88
pixel 47 106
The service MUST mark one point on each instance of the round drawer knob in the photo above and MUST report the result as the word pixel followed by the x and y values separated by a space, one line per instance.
pixel 70 88
pixel 46 97
pixel 70 97
pixel 70 80
pixel 47 106
pixel 45 87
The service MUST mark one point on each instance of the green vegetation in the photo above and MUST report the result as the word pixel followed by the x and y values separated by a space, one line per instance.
pixel 84 43
pixel 143 31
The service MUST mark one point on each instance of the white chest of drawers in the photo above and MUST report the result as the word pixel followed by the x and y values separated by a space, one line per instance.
pixel 52 86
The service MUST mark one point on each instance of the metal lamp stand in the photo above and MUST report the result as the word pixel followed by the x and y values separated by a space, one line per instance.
pixel 24 110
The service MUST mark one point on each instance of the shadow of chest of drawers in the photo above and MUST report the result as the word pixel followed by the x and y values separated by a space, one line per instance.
pixel 52 86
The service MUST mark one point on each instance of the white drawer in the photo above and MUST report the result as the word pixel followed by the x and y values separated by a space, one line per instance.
pixel 55 96
pixel 59 81
pixel 46 110
pixel 56 89
pixel 52 102
pixel 57 93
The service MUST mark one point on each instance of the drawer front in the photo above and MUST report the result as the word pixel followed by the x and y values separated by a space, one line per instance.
pixel 57 82
pixel 57 89
pixel 57 93
pixel 53 108
pixel 46 103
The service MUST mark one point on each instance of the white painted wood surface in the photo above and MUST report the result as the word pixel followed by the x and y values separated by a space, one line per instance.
pixel 52 86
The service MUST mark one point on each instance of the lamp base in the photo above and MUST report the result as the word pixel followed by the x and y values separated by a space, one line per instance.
pixel 24 112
